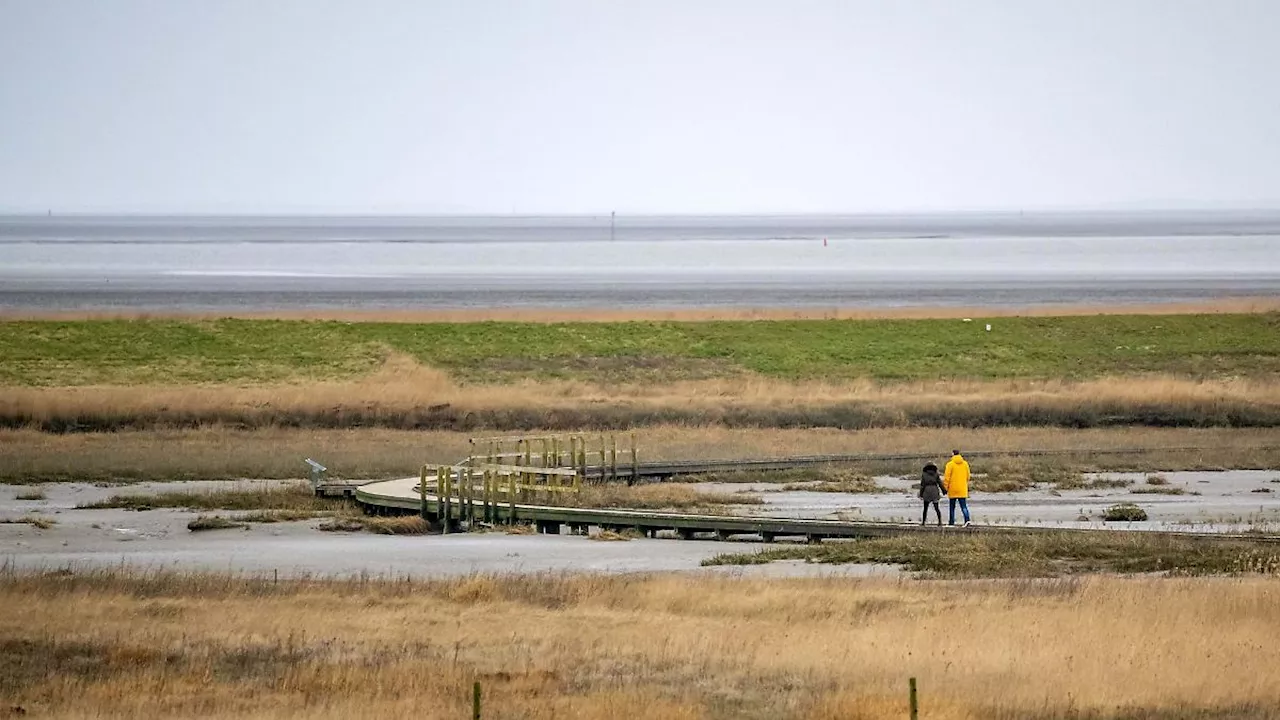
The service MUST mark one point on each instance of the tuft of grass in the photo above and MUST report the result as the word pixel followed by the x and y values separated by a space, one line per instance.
pixel 985 554
pixel 1124 512
pixel 288 515
pixel 342 524
pixel 213 522
pixel 1158 490
pixel 401 525
pixel 397 525
pixel 614 536
pixel 1157 480
pixel 36 494
pixel 1017 475
pixel 1097 483
pixel 999 484
pixel 837 482
pixel 37 521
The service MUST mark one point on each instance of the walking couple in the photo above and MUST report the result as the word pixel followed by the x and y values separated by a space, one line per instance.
pixel 954 483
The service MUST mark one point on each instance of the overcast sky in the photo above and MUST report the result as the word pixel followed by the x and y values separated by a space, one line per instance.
pixel 541 106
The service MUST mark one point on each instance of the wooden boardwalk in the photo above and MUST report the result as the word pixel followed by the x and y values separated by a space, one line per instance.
pixel 667 469
pixel 404 496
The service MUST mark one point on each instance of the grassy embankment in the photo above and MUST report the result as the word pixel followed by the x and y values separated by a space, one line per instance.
pixel 1193 370
pixel 109 644
pixel 236 398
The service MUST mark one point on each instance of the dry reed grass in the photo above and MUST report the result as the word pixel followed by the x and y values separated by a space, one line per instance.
pixel 37 521
pixel 295 498
pixel 394 525
pixel 110 645
pixel 214 522
pixel 404 394
pixel 559 315
pixel 1006 555
pixel 29 456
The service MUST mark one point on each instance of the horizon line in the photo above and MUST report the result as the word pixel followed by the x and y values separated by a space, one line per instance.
pixel 1005 212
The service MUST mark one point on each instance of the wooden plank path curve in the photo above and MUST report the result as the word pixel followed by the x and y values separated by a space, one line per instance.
pixel 403 495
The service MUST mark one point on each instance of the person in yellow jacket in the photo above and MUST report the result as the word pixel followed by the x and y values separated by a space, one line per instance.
pixel 955 480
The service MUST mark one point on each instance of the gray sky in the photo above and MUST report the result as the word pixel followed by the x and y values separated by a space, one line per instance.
pixel 655 106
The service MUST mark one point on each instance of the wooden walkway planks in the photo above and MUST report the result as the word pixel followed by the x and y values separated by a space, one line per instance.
pixel 404 495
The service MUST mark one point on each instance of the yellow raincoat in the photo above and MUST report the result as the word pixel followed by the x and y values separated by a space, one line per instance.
pixel 956 478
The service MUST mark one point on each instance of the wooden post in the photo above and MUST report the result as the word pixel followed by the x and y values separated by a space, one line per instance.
pixel 477 495
pixel 604 461
pixel 613 457
pixel 915 705
pixel 493 496
pixel 475 701
pixel 462 497
pixel 473 495
pixel 519 476
pixel 511 497
pixel 442 490
pixel 635 464
pixel 488 496
pixel 422 493
pixel 464 484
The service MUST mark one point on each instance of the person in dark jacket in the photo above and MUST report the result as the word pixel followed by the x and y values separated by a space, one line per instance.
pixel 930 492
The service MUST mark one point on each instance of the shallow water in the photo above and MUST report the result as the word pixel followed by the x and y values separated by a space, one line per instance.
pixel 1214 501
pixel 248 264
pixel 158 539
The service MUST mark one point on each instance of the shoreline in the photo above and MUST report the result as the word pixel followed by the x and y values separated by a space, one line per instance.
pixel 550 314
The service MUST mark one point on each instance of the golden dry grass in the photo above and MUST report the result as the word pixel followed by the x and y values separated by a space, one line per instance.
pixel 549 315
pixel 648 648
pixel 222 453
pixel 405 394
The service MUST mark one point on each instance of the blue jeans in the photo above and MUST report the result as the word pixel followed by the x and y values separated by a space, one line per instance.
pixel 964 507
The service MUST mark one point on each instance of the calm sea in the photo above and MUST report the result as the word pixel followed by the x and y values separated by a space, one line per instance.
pixel 211 264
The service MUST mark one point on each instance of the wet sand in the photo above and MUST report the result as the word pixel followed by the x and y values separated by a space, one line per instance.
pixel 1226 501
pixel 1231 501
pixel 159 540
